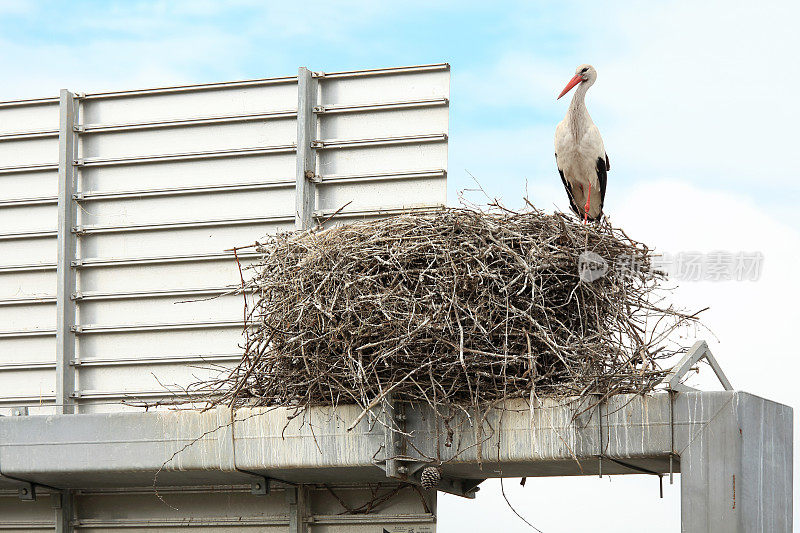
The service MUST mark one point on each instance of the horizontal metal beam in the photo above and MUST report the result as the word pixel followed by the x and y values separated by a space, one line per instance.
pixel 27 398
pixel 112 296
pixel 32 525
pixel 379 106
pixel 188 224
pixel 377 518
pixel 99 262
pixel 27 300
pixel 89 196
pixel 85 329
pixel 209 522
pixel 381 176
pixel 190 88
pixel 27 202
pixel 36 234
pixel 388 211
pixel 139 394
pixel 39 167
pixel 184 156
pixel 254 151
pixel 382 71
pixel 29 102
pixel 31 267
pixel 27 365
pixel 21 333
pixel 191 121
pixel 122 361
pixel 184 224
pixel 124 328
pixel 261 150
pixel 327 144
pixel 163 293
pixel 27 135
pixel 228 85
pixel 85 395
pixel 122 295
pixel 158 360
pixel 231 488
pixel 87 450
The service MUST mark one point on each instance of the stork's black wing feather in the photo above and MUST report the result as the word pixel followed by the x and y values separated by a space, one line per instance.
pixel 602 176
pixel 568 188
pixel 608 163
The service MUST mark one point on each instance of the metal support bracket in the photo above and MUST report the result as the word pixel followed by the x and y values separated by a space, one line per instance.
pixel 260 487
pixel 696 353
pixel 399 465
pixel 466 488
pixel 27 492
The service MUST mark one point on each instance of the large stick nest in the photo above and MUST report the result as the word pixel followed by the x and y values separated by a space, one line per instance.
pixel 451 307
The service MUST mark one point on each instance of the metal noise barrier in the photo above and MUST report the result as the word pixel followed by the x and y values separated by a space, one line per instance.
pixel 118 211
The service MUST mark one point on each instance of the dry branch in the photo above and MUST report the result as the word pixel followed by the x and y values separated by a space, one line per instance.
pixel 448 308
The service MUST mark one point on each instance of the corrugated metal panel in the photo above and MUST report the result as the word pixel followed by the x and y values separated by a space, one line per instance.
pixel 168 180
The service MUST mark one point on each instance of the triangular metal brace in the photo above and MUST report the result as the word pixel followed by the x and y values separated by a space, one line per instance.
pixel 697 352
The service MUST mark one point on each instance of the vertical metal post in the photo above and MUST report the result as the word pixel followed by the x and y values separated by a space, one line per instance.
pixel 63 506
pixel 391 442
pixel 297 499
pixel 67 249
pixel 306 155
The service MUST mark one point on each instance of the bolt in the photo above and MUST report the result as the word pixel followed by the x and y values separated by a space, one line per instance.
pixel 402 469
pixel 24 492
pixel 258 486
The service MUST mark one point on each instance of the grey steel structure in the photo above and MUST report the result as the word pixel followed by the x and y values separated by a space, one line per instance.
pixel 734 452
pixel 117 207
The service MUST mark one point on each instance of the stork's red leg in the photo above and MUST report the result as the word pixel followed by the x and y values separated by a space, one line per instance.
pixel 586 207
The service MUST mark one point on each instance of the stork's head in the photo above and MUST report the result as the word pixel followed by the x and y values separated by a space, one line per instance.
pixel 583 74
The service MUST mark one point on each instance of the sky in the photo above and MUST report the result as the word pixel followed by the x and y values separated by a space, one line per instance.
pixel 695 101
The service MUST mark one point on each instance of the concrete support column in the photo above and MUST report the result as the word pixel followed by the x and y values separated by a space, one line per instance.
pixel 736 468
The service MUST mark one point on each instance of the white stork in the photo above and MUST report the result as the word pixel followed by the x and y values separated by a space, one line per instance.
pixel 580 155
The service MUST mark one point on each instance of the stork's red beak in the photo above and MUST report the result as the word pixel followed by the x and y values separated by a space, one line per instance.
pixel 572 83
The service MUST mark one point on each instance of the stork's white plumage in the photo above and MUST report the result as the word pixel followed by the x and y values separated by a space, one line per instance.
pixel 580 155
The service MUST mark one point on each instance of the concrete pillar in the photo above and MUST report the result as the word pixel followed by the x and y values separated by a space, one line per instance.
pixel 736 463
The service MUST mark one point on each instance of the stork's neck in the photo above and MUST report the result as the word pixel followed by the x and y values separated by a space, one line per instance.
pixel 578 117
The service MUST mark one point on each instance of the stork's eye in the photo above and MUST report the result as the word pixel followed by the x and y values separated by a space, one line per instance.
pixel 583 71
